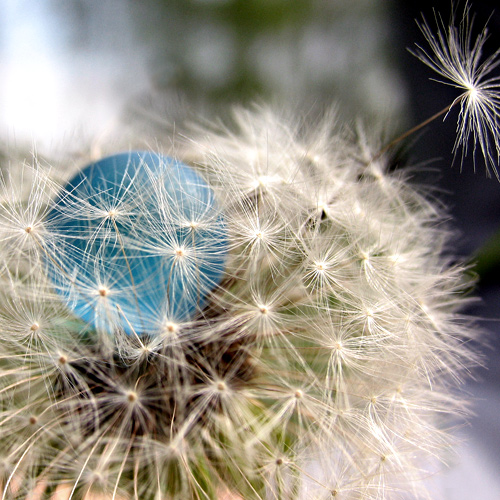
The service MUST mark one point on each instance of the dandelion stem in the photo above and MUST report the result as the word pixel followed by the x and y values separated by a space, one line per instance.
pixel 414 129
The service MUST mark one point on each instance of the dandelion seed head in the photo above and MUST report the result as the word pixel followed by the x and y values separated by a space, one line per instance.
pixel 239 325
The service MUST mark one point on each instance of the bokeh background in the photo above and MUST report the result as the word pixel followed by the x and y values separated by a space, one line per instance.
pixel 76 73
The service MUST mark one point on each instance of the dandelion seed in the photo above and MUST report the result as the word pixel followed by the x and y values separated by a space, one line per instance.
pixel 455 56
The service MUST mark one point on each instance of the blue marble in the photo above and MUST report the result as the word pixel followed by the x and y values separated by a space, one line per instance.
pixel 137 242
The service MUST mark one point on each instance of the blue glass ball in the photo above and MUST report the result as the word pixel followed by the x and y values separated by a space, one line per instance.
pixel 137 243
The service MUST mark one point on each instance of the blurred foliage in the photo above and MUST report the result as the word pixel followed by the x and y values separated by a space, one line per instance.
pixel 227 51
pixel 488 260
pixel 235 22
pixel 256 15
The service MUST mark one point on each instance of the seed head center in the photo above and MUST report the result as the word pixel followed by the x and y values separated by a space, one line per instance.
pixel 474 93
pixel 132 397
pixel 171 327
